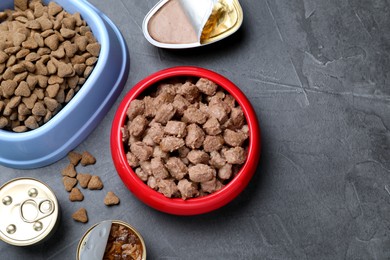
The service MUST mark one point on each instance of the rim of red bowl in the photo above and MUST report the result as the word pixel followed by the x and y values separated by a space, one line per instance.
pixel 178 206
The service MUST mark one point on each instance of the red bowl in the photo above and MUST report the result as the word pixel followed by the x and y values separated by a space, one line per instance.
pixel 192 206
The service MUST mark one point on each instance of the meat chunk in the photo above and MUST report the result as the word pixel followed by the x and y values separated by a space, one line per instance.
pixel 181 104
pixel 141 151
pixel 156 132
pixel 170 143
pixel 209 186
pixel 164 97
pixel 136 107
pixel 213 143
pixel 138 125
pixel 176 168
pixel 125 134
pixel 206 86
pixel 132 160
pixel 150 109
pixel 218 111
pixel 158 169
pixel 225 172
pixel 237 118
pixel 152 182
pixel 183 151
pixel 157 152
pixel 168 88
pixel 176 128
pixel 194 115
pixel 187 189
pixel 189 91
pixel 141 174
pixel 201 173
pixel 234 138
pixel 167 187
pixel 164 113
pixel 195 136
pixel 216 160
pixel 197 156
pixel 212 126
pixel 235 155
pixel 146 166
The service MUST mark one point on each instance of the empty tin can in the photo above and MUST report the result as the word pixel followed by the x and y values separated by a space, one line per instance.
pixel 111 239
pixel 29 212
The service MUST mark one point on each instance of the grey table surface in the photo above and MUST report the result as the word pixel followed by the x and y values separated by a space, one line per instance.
pixel 318 75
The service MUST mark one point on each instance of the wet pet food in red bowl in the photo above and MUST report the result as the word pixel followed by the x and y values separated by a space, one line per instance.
pixel 185 140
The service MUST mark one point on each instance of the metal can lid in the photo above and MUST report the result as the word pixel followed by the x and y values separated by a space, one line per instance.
pixel 29 211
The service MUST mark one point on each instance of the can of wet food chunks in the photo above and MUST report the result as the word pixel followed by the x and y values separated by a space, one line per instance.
pixel 29 212
pixel 111 239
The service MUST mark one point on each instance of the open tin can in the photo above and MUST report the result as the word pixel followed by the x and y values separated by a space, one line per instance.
pixel 29 212
pixel 109 239
pixel 179 24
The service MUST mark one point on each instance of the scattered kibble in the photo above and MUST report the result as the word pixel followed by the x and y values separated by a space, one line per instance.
pixel 84 179
pixel 95 183
pixel 111 199
pixel 81 215
pixel 69 183
pixel 87 159
pixel 76 195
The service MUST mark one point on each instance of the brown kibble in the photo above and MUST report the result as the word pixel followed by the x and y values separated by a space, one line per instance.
pixel 76 195
pixel 45 23
pixel 8 87
pixel 64 70
pixel 39 109
pixel 30 101
pixel 81 43
pixel 3 57
pixel 69 170
pixel 33 57
pixel 21 4
pixel 33 24
pixel 18 38
pixel 74 157
pixel 54 8
pixel 52 42
pixel 87 159
pixel 94 49
pixel 67 33
pixel 23 90
pixel 84 179
pixel 95 183
pixel 111 199
pixel 30 43
pixel 69 182
pixel 81 214
pixel 52 90
pixel 31 123
pixel 70 49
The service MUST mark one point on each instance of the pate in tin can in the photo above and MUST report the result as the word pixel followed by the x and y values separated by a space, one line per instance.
pixel 179 24
pixel 29 212
pixel 111 239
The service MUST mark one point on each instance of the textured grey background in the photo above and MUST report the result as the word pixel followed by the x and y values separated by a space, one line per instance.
pixel 318 75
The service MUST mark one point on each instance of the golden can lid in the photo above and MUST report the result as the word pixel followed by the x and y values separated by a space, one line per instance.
pixel 29 211
pixel 178 24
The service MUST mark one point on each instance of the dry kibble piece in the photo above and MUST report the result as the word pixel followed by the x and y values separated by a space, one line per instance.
pixel 54 8
pixel 52 42
pixel 84 179
pixel 39 109
pixel 80 215
pixel 3 56
pixel 93 48
pixel 64 70
pixel 67 33
pixel 95 183
pixel 74 157
pixel 21 4
pixel 69 170
pixel 111 199
pixel 31 122
pixel 69 182
pixel 76 195
pixel 87 159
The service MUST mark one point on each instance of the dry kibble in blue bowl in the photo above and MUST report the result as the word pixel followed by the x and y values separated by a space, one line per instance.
pixel 46 54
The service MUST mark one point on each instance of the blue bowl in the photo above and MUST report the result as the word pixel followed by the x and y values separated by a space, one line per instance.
pixel 69 127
